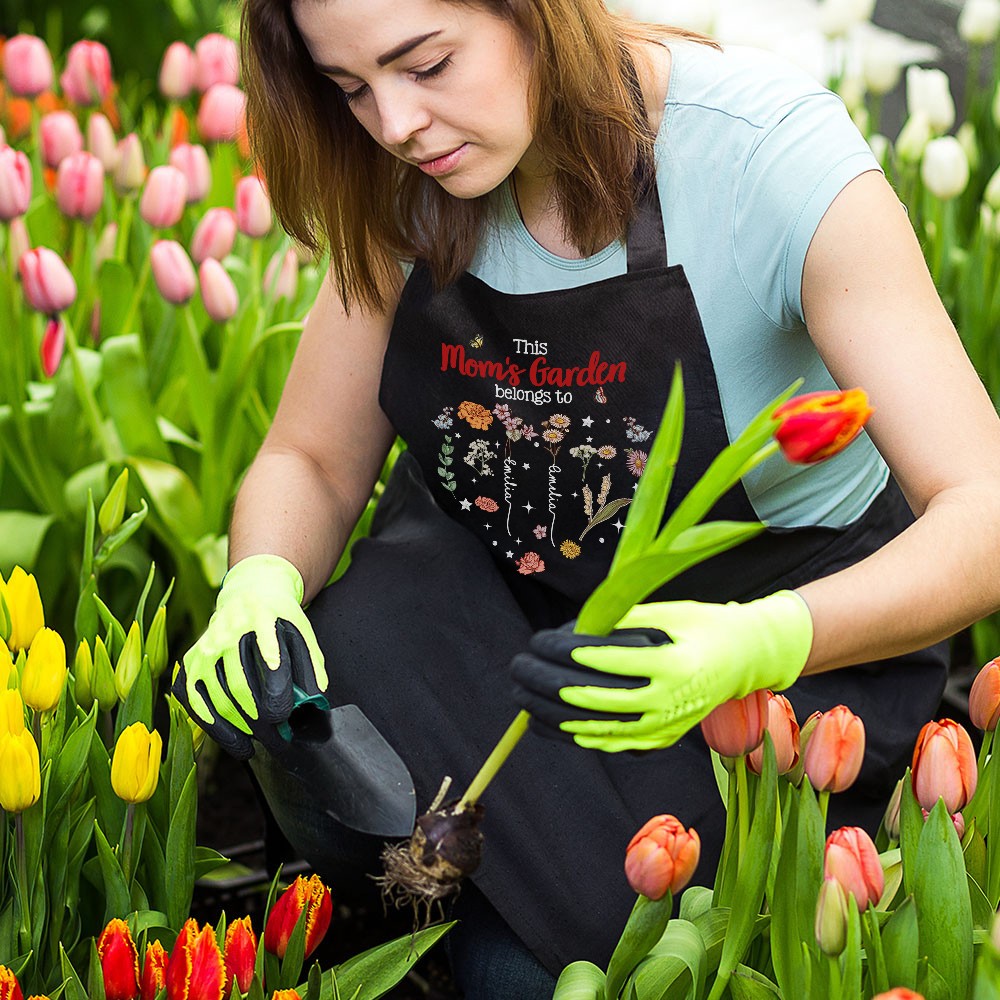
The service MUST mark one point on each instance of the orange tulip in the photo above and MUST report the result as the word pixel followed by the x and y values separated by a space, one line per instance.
pixel 195 970
pixel 240 954
pixel 818 425
pixel 309 894
pixel 10 989
pixel 984 697
pixel 852 860
pixel 119 961
pixel 899 993
pixel 944 766
pixel 286 995
pixel 154 971
pixel 737 726
pixel 784 730
pixel 661 857
pixel 836 748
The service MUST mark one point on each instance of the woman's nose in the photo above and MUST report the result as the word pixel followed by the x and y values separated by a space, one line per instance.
pixel 401 115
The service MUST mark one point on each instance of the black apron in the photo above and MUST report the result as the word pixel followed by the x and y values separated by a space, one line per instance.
pixel 502 517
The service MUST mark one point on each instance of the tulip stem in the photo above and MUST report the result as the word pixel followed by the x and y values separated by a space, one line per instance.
pixel 88 402
pixel 140 288
pixel 22 880
pixel 742 804
pixel 495 761
pixel 36 730
pixel 127 842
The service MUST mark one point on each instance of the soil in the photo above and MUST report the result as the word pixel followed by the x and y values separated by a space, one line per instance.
pixel 233 820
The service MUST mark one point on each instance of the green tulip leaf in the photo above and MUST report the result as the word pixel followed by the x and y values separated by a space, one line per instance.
pixel 73 988
pixel 974 850
pixel 712 925
pixel 174 498
pixel 115 287
pixel 681 944
pixel 645 926
pixel 22 534
pixel 695 900
pixel 911 825
pixel 121 535
pixel 95 974
pixel 116 894
pixel 291 964
pixel 748 984
pixel 110 809
pixel 155 865
pixel 180 852
pixel 983 914
pixel 71 762
pixel 207 860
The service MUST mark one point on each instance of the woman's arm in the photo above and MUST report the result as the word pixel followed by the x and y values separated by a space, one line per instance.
pixel 321 457
pixel 876 319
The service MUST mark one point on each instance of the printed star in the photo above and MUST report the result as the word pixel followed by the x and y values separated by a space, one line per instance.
pixel 618 524
pixel 458 435
pixel 494 545
pixel 488 526
pixel 600 465
pixel 608 421
pixel 587 421
pixel 517 540
pixel 635 486
pixel 528 507
pixel 524 465
pixel 576 494
pixel 510 555
pixel 589 440
pixel 465 504
pixel 536 444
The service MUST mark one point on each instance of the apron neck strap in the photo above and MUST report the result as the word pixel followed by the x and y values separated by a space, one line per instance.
pixel 646 243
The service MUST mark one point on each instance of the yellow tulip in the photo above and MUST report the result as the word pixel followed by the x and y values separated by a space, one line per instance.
pixel 6 666
pixel 20 776
pixel 25 606
pixel 156 642
pixel 83 676
pixel 129 662
pixel 135 766
pixel 11 712
pixel 44 671
pixel 103 683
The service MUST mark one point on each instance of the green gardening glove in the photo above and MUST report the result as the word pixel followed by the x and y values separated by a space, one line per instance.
pixel 238 680
pixel 642 690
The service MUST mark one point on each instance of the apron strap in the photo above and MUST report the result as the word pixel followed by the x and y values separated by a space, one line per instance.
pixel 646 243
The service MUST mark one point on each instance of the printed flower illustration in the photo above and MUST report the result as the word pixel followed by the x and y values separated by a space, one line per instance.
pixel 584 452
pixel 485 503
pixel 443 420
pixel 540 531
pixel 635 431
pixel 636 461
pixel 528 432
pixel 560 421
pixel 607 451
pixel 570 549
pixel 478 416
pixel 552 436
pixel 530 562
pixel 479 456
pixel 514 426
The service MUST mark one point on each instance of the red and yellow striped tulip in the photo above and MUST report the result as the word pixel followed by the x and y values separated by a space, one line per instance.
pixel 195 970
pixel 818 425
pixel 154 971
pixel 309 894
pixel 240 954
pixel 119 961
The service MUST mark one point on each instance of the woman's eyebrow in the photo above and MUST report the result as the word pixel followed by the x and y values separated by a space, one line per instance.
pixel 387 57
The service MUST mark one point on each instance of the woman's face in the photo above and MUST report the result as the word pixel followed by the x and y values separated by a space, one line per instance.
pixel 439 85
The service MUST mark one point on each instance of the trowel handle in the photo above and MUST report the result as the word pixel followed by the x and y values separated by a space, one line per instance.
pixel 301 698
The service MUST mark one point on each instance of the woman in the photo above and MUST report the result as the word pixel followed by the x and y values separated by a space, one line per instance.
pixel 587 201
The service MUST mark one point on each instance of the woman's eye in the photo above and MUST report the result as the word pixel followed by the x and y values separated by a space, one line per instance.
pixel 353 95
pixel 434 70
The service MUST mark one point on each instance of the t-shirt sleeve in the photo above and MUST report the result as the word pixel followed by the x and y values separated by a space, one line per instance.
pixel 801 160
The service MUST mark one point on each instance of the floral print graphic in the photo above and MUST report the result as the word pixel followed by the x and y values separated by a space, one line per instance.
pixel 570 549
pixel 633 431
pixel 515 427
pixel 480 455
pixel 478 416
pixel 530 562
pixel 443 420
pixel 607 451
pixel 485 503
pixel 539 531
pixel 636 461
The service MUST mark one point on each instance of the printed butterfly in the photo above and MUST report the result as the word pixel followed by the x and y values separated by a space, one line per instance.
pixel 599 395
pixel 477 341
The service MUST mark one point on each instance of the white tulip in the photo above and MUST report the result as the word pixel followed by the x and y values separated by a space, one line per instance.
pixel 966 136
pixel 979 22
pixel 992 193
pixel 945 168
pixel 913 138
pixel 696 16
pixel 880 147
pixel 929 91
pixel 880 65
pixel 837 17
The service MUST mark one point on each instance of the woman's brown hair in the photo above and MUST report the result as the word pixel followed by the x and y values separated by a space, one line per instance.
pixel 333 186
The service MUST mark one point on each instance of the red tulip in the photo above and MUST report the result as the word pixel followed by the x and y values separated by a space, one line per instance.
pixel 984 697
pixel 173 271
pixel 192 162
pixel 53 345
pixel 281 277
pixel 154 971
pixel 899 993
pixel 661 857
pixel 119 961
pixel 195 970
pixel 102 143
pixel 253 207
pixel 214 235
pixel 836 748
pixel 221 112
pixel 852 860
pixel 164 197
pixel 944 766
pixel 87 77
pixel 10 989
pixel 48 285
pixel 784 730
pixel 15 183
pixel 27 66
pixel 217 60
pixel 737 726
pixel 60 136
pixel 308 894
pixel 217 291
pixel 818 425
pixel 80 186
pixel 177 72
pixel 240 954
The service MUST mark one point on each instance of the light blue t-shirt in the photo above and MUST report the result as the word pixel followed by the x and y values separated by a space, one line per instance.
pixel 750 154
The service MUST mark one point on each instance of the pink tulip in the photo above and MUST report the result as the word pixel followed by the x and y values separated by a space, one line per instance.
pixel 253 207
pixel 220 114
pixel 173 271
pixel 48 285
pixel 192 162
pixel 737 726
pixel 80 186
pixel 61 136
pixel 836 748
pixel 957 821
pixel 281 278
pixel 944 766
pixel 177 72
pixel 164 197
pixel 851 859
pixel 984 697
pixel 87 77
pixel 53 345
pixel 102 143
pixel 131 169
pixel 784 730
pixel 27 66
pixel 661 857
pixel 15 183
pixel 214 235
pixel 216 61
pixel 217 291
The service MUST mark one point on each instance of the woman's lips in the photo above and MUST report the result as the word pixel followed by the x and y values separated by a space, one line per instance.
pixel 444 164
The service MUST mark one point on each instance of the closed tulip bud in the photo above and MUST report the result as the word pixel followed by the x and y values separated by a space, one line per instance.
pixel 45 671
pixel 129 662
pixel 19 243
pixel 880 65
pixel 25 606
pixel 164 197
pixel 173 271
pixel 192 162
pixel 979 22
pixel 48 285
pixel 112 512
pixel 879 145
pixel 309 894
pixel 195 970
pixel 10 989
pixel 221 112
pixel 102 143
pixel 890 821
pixel 969 141
pixel 929 91
pixel 784 730
pixel 154 971
pixel 27 66
pixel 253 208
pixel 131 169
pixel 80 186
pixel 984 697
pixel 286 995
pixel 945 168
pixel 20 776
pixel 52 346
pixel 661 857
pixel 837 17
pixel 177 72
pixel 214 235
pixel 60 137
pixel 104 677
pixel 156 642
pixel 119 961
pixel 899 993
pixel 818 425
pixel 737 726
pixel 832 915
pixel 281 278
pixel 216 61
pixel 106 245
pixel 913 138
pixel 11 711
pixel 836 748
pixel 135 765
pixel 957 821
pixel 87 77
pixel 217 291
pixel 240 954
pixel 83 676
pixel 852 860
pixel 944 766
pixel 15 183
